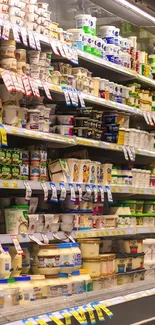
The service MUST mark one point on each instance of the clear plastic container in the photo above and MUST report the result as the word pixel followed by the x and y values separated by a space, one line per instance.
pixel 66 257
pixel 89 247
pixel 39 286
pixel 88 283
pixel 77 256
pixel 93 266
pixel 53 286
pixel 5 264
pixel 48 259
pixel 26 289
pixel 66 284
pixel 77 282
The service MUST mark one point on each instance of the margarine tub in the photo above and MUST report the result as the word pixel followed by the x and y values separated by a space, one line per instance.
pixel 88 283
pixel 16 219
pixel 89 247
pixel 66 257
pixel 5 264
pixel 39 286
pixel 48 260
pixel 93 266
pixel 53 286
pixel 16 262
pixel 138 261
pixel 26 289
pixel 123 263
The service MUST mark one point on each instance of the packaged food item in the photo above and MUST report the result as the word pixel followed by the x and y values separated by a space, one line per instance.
pixel 5 264
pixel 89 247
pixel 93 266
pixel 48 260
pixel 16 219
pixel 66 257
pixel 16 261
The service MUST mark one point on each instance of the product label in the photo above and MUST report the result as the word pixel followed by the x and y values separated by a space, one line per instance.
pixel 66 260
pixel 48 262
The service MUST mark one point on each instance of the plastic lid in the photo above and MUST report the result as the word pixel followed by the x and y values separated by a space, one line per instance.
pixel 64 245
pixel 75 245
pixel 83 271
pixel 23 207
pixel 75 273
pixel 63 275
pixel 3 281
pixel 22 278
pixel 6 249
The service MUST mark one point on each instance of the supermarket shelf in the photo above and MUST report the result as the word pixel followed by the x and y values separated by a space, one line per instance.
pixel 116 68
pixel 50 137
pixel 132 190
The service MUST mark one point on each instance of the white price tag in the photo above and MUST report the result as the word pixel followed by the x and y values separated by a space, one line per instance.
pixel 1 249
pixel 20 83
pixel 6 30
pixel 27 87
pixel 45 239
pixel 16 33
pixel 45 189
pixel 95 191
pixel 37 41
pixel 66 51
pixel 75 94
pixel 70 237
pixel 102 192
pixel 108 190
pixel 47 90
pixel 33 221
pixel 28 191
pixel 153 117
pixel 63 192
pixel 71 95
pixel 124 148
pixel 54 196
pixel 31 40
pixel 82 103
pixel 146 117
pixel 35 239
pixel 34 87
pixel 60 49
pixel 73 196
pixel 16 244
pixel 15 82
pixel 130 153
pixel 79 188
pixel 67 97
pixel 149 115
pixel 88 193
pixel 54 47
pixel 74 55
pixel 24 35
pixel 6 76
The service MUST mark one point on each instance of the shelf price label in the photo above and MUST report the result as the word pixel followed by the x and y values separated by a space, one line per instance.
pixel 79 188
pixel 109 194
pixel 40 321
pixel 15 33
pixel 54 196
pixel 45 189
pixel 63 192
pixel 55 319
pixel 16 244
pixel 73 196
pixel 91 314
pixel 76 315
pixel 95 191
pixel 24 35
pixel 106 310
pixel 67 317
pixel 28 193
pixel 99 312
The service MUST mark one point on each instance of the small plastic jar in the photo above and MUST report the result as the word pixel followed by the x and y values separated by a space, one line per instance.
pixel 89 247
pixel 26 289
pixel 16 262
pixel 66 284
pixel 88 283
pixel 5 264
pixel 25 259
pixel 53 286
pixel 77 282
pixel 39 286
pixel 48 260
pixel 66 257
pixel 76 256
pixel 93 266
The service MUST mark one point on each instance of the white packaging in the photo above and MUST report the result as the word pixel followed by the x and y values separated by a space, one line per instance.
pixel 34 57
pixel 10 114
pixel 33 119
pixel 107 31
pixel 32 9
pixel 16 220
pixel 82 20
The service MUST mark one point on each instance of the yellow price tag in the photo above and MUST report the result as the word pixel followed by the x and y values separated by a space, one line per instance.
pixel 77 316
pixel 107 233
pixel 56 320
pixel 102 233
pixel 3 136
pixel 82 314
pixel 91 315
pixel 14 185
pixel 114 189
pixel 136 230
pixel 130 190
pixel 28 323
pixel 84 235
pixel 5 184
pixel 123 232
pixel 151 229
pixel 118 232
pixel 14 131
pixel 97 234
pixel 67 318
pixel 120 190
pixel 79 236
pixel 41 321
pixel 106 310
pixel 113 232
pixel 99 313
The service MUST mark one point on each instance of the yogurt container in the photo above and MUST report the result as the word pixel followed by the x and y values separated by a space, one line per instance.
pixel 10 114
pixel 108 33
pixel 78 38
pixel 8 51
pixel 92 23
pixel 83 22
pixel 34 173
pixel 73 169
pixel 33 119
pixel 84 171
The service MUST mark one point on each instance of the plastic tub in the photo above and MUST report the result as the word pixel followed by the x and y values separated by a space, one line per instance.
pixel 78 38
pixel 16 219
pixel 48 260
pixel 93 266
pixel 10 114
pixel 73 169
pixel 84 170
pixel 89 247
pixel 33 119
pixel 66 257
pixel 66 227
pixel 139 206
pixel 83 22
pixel 16 262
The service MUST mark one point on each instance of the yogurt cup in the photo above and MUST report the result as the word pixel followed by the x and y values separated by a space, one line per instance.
pixel 83 22
pixel 108 33
pixel 109 51
pixel 35 71
pixel 78 37
pixel 7 51
pixel 87 43
pixel 33 119
pixel 92 23
pixel 34 57
pixel 30 25
pixel 84 171
pixel 32 9
pixel 32 17
pixel 43 5
pixel 34 173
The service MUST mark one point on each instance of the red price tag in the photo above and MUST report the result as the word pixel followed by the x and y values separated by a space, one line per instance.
pixel 27 86
pixel 35 88
pixel 6 76
pixel 47 91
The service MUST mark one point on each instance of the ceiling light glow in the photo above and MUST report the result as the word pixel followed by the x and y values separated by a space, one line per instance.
pixel 136 9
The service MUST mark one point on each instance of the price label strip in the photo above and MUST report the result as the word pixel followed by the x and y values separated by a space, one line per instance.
pixel 124 149
pixel 106 310
pixel 3 134
pixel 79 189
pixel 73 196
pixel 37 41
pixel 28 191
pixel 109 194
pixel 20 83
pixel 99 312
pixel 27 86
pixel 91 314
pixel 31 40
pixel 67 317
pixel 63 192
pixel 67 97
pixel 15 33
pixel 82 103
pixel 55 319
pixel 54 196
pixel 76 315
pixel 24 35
pixel 15 81
pixel 29 321
pixel 88 193
pixel 130 153
pixel 40 321
pixel 47 90
pixel 54 47
pixel 81 312
pixel 16 244
pixel 6 76
pixel 45 189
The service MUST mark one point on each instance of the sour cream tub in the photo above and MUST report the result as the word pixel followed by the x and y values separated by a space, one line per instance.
pixel 33 119
pixel 93 266
pixel 89 247
pixel 108 33
pixel 84 170
pixel 83 22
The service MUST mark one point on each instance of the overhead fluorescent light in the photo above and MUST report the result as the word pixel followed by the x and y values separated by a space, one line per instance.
pixel 136 9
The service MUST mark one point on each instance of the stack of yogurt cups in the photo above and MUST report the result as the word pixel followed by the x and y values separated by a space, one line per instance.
pixel 39 64
pixel 14 11
pixel 37 17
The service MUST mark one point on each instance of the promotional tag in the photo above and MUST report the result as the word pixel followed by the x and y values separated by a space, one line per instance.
pixel 82 314
pixel 63 192
pixel 31 40
pixel 88 192
pixel 20 83
pixel 54 47
pixel 35 239
pixel 40 321
pixel 79 189
pixel 16 244
pixel 45 239
pixel 67 97
pixel 37 41
pixel 3 134
pixel 28 191
pixel 33 221
pixel 54 196
pixel 95 191
pixel 27 87
pixel 6 30
pixel 15 33
pixel 101 192
pixel 73 196
pixel 24 35
pixel 76 316
pixel 34 87
pixel 45 189
pixel 28 321
pixel 74 55
pixel 99 313
pixel 6 76
pixel 56 320
pixel 71 95
pixel 130 154
pixel 108 190
pixel 15 82
pixel 60 49
pixel 146 117
pixel 75 94
pixel 82 103
pixel 47 90
pixel 66 51
pixel 124 148
pixel 67 317
pixel 91 314
pixel 106 310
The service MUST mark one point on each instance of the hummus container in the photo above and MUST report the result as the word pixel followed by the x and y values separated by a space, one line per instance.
pixel 123 263
pixel 34 57
pixel 8 51
pixel 16 219
pixel 33 119
pixel 131 246
pixel 9 64
pixel 89 247
pixel 92 265
pixel 20 55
